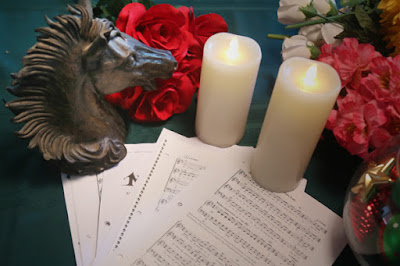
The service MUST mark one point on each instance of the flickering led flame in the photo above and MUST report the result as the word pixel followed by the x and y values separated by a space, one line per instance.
pixel 233 51
pixel 309 79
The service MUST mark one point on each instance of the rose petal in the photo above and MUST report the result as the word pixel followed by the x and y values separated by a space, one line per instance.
pixel 163 12
pixel 129 16
pixel 189 18
pixel 114 98
pixel 185 89
pixel 207 25
pixel 163 103
pixel 130 97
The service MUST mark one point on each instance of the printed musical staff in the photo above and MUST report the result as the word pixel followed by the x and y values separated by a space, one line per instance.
pixel 185 170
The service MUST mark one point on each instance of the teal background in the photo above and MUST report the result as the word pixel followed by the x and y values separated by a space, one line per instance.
pixel 34 226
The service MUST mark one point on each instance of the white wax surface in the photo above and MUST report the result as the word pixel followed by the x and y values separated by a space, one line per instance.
pixel 293 124
pixel 226 89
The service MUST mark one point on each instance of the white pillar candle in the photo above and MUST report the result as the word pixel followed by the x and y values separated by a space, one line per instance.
pixel 228 75
pixel 305 92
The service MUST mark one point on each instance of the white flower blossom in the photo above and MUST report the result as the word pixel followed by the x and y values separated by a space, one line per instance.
pixel 322 6
pixel 297 45
pixel 320 33
pixel 312 32
pixel 329 31
pixel 289 10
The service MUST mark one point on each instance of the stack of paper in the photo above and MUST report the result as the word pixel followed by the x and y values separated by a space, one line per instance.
pixel 182 202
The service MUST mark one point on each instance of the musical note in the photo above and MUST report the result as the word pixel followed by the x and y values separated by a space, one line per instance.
pixel 184 171
pixel 246 195
pixel 244 199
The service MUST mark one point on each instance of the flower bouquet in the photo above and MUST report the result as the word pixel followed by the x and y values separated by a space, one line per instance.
pixel 164 27
pixel 361 40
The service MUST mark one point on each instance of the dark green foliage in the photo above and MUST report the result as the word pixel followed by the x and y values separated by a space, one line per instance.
pixel 364 24
pixel 110 9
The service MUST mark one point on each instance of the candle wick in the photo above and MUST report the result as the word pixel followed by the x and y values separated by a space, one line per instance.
pixel 233 50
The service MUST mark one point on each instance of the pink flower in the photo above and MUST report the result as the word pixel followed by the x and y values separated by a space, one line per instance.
pixel 326 55
pixel 357 124
pixel 368 110
pixel 384 80
pixel 351 60
pixel 393 113
pixel 371 121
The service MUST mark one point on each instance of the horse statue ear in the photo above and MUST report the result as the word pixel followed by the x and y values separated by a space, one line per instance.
pixel 87 4
pixel 91 54
pixel 98 45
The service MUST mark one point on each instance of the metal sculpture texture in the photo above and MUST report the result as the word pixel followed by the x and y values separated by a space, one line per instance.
pixel 61 88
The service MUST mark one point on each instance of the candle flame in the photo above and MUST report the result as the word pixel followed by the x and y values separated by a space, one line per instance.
pixel 233 51
pixel 309 79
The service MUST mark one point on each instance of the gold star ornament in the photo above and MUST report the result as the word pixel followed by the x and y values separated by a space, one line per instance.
pixel 372 178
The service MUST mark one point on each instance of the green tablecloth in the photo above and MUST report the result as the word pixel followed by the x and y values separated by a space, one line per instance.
pixel 34 226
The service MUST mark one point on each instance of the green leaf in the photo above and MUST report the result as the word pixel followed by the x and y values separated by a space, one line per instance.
pixel 109 8
pixel 364 20
pixel 105 11
pixel 351 3
pixel 315 52
pixel 309 11
pixel 94 2
pixel 353 29
pixel 333 11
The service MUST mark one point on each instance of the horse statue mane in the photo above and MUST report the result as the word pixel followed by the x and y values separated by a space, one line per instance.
pixel 61 88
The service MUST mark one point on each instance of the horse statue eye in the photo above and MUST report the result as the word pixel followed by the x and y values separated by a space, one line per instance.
pixel 131 59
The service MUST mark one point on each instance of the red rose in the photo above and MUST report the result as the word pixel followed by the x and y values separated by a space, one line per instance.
pixel 185 89
pixel 162 27
pixel 155 106
pixel 190 66
pixel 129 16
pixel 207 25
pixel 173 96
pixel 176 30
pixel 125 98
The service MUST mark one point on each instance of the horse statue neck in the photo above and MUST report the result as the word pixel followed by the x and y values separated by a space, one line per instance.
pixel 92 115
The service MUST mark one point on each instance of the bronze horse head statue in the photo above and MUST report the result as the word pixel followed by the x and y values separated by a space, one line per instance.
pixel 61 88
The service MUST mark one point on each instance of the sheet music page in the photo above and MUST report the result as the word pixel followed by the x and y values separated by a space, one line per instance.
pixel 178 162
pixel 181 161
pixel 119 189
pixel 73 224
pixel 85 195
pixel 232 221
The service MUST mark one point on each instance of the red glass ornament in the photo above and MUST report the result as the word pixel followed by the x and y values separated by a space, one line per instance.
pixel 365 217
